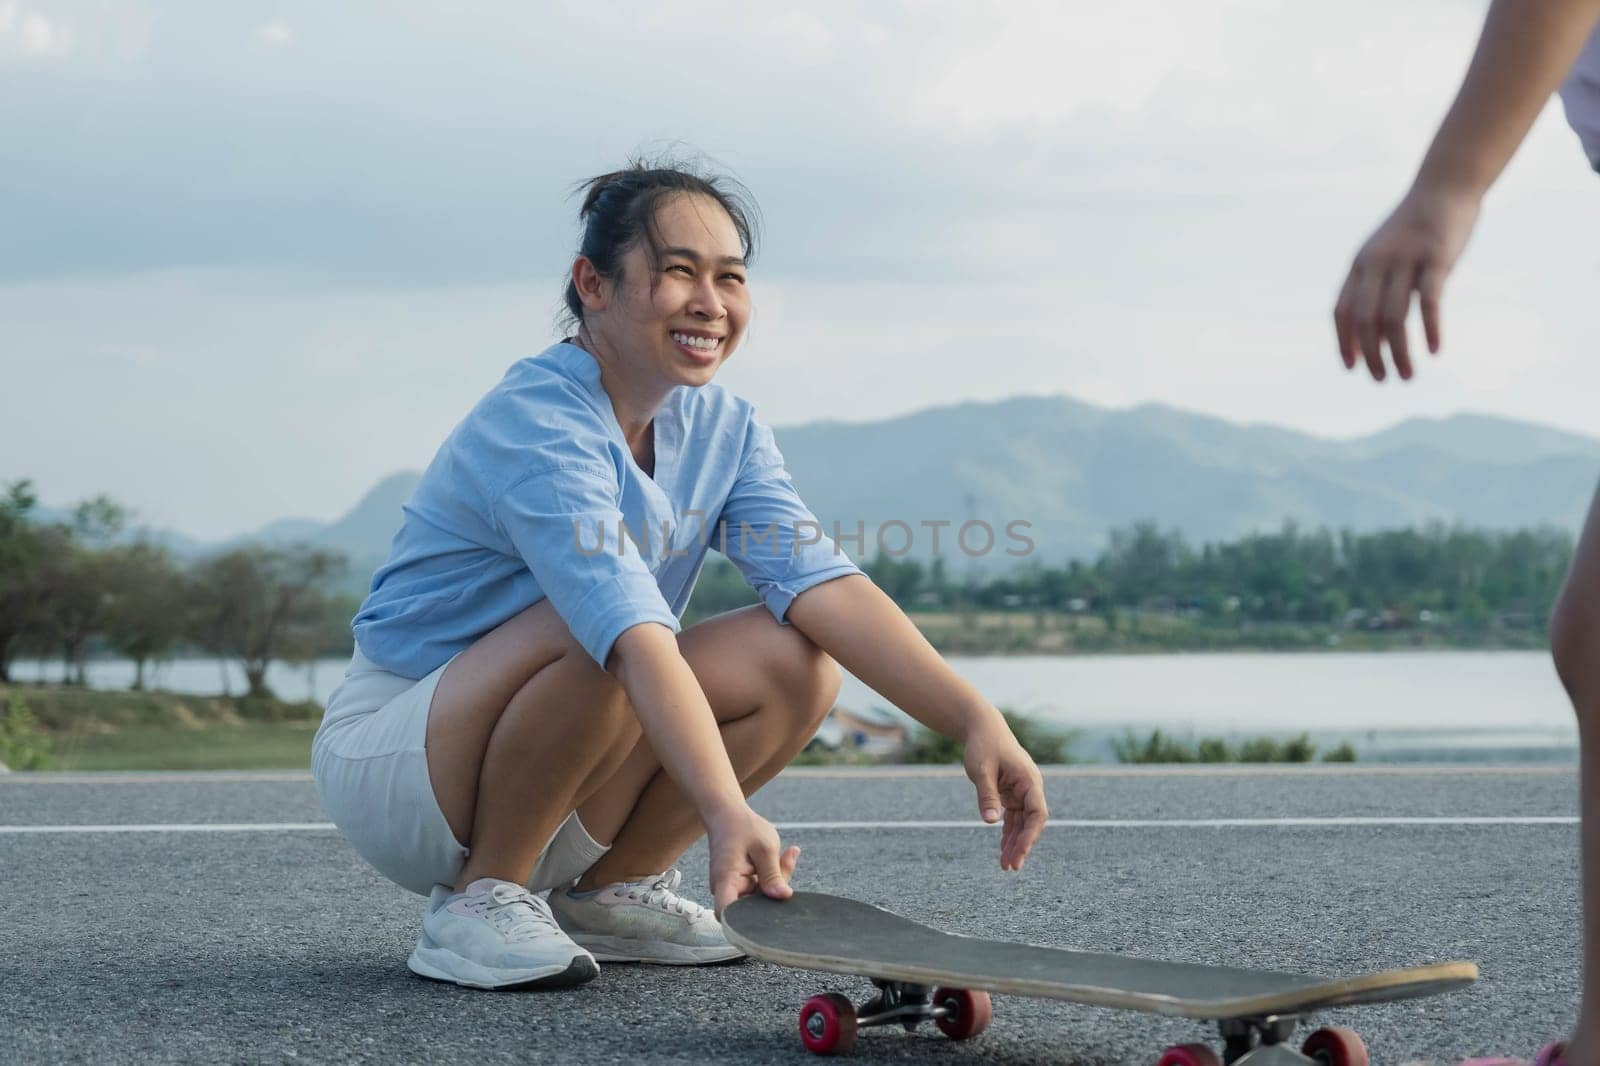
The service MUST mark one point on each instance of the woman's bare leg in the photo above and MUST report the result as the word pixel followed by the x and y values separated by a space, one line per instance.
pixel 525 728
pixel 522 723
pixel 769 687
pixel 1575 644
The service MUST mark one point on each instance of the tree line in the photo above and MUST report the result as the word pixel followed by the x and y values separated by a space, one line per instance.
pixel 67 585
pixel 1465 578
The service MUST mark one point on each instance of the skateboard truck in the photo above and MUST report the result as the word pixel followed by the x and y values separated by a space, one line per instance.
pixel 828 1023
pixel 1259 1040
pixel 1264 1041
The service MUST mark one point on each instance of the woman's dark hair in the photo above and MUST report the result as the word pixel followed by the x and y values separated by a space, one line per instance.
pixel 619 211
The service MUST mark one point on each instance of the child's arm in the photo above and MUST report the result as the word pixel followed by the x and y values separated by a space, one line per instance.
pixel 1525 50
pixel 854 621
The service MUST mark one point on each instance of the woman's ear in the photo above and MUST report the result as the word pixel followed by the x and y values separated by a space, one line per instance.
pixel 592 289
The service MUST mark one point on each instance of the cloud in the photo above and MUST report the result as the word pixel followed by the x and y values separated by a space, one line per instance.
pixel 802 28
pixel 31 34
pixel 372 159
pixel 275 34
pixel 38 36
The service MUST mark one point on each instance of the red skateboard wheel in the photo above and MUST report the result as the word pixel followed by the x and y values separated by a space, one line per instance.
pixel 970 1012
pixel 1336 1047
pixel 828 1024
pixel 1190 1055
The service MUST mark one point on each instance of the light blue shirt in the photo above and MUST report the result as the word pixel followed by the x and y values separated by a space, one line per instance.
pixel 1580 95
pixel 536 494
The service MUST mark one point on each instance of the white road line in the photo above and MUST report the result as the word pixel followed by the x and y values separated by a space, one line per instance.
pixel 856 773
pixel 176 827
pixel 1204 823
pixel 1054 823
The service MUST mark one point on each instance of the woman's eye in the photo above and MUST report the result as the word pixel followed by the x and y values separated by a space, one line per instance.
pixel 680 266
pixel 734 277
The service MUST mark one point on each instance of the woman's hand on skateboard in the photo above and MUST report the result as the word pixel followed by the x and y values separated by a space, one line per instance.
pixel 747 856
pixel 1414 250
pixel 1009 785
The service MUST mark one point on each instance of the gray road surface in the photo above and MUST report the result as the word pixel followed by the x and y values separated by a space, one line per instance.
pixel 275 946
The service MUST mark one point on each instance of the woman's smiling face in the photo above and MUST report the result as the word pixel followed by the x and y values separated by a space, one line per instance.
pixel 679 314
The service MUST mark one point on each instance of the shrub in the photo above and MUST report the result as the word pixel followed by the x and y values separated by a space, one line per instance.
pixel 1044 744
pixel 1157 748
pixel 1261 749
pixel 23 745
pixel 1299 749
pixel 1343 753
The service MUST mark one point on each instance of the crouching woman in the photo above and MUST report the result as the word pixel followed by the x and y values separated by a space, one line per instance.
pixel 524 711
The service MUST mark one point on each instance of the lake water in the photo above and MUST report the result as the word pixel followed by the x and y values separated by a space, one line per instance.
pixel 1469 705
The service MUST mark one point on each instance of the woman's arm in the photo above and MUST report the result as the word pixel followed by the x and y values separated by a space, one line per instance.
pixel 856 623
pixel 682 729
pixel 1526 49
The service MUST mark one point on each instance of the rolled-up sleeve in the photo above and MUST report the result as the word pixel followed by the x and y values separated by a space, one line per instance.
pixel 770 534
pixel 566 524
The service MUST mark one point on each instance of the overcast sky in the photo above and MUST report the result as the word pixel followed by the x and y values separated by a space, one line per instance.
pixel 254 257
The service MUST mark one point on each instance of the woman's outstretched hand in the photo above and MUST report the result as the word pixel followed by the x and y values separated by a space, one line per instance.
pixel 746 855
pixel 1412 252
pixel 1009 785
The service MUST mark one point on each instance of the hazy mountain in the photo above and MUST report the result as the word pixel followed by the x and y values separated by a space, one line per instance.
pixel 1075 471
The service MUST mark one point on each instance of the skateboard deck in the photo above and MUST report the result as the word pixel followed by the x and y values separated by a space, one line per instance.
pixel 918 969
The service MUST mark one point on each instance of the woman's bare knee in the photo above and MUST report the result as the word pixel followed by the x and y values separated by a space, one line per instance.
pixel 806 675
pixel 532 663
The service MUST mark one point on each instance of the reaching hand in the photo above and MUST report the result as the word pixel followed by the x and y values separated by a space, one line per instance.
pixel 1007 780
pixel 745 856
pixel 1413 251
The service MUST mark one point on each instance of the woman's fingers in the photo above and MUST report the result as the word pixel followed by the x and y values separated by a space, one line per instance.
pixel 772 871
pixel 730 886
pixel 1392 314
pixel 1430 289
pixel 1369 293
pixel 1344 319
pixel 1024 822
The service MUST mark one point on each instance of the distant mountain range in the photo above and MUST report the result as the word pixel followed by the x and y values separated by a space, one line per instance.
pixel 1075 471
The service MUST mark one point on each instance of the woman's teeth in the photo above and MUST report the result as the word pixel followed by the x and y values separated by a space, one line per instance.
pixel 704 344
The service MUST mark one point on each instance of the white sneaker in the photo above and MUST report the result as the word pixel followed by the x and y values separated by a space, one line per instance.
pixel 496 935
pixel 644 921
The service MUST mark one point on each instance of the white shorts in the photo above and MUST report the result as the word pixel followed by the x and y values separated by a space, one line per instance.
pixel 370 765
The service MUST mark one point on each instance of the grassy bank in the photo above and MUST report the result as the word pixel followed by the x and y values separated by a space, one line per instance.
pixel 53 727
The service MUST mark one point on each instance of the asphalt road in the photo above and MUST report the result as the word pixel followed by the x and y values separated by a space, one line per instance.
pixel 184 946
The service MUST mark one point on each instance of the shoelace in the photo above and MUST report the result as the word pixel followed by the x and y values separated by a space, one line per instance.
pixel 661 892
pixel 515 912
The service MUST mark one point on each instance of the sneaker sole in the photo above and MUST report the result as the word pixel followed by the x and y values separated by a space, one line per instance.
pixel 657 952
pixel 439 964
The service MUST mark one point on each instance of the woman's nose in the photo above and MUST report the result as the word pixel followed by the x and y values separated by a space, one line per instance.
pixel 704 301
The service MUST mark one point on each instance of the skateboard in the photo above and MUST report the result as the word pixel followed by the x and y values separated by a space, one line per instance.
pixel 924 974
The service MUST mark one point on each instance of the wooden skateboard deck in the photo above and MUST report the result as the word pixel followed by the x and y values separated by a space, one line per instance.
pixel 1256 1009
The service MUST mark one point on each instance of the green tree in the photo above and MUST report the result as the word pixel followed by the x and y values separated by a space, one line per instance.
pixel 73 590
pixel 900 579
pixel 145 616
pixel 20 549
pixel 1143 563
pixel 256 604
